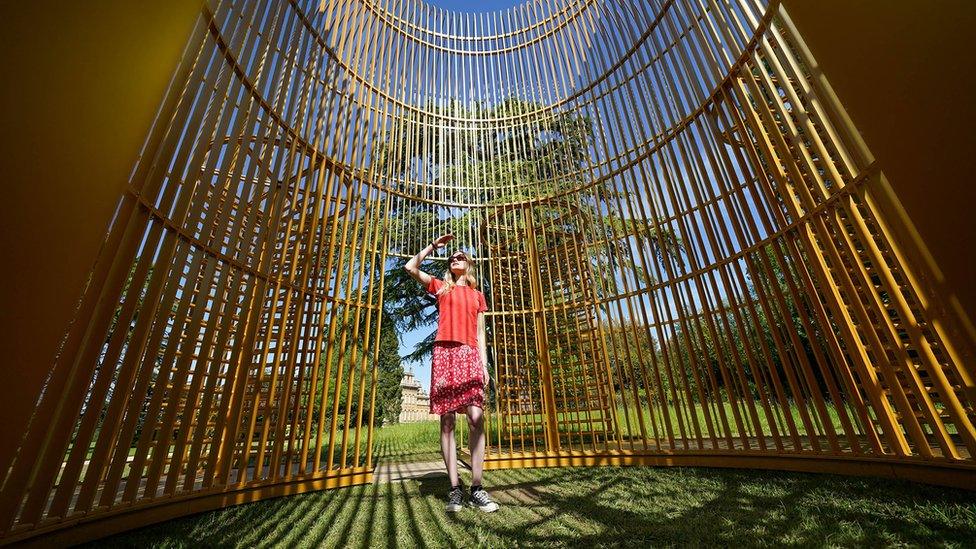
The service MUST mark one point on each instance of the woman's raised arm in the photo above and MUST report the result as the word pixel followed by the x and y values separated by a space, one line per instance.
pixel 413 266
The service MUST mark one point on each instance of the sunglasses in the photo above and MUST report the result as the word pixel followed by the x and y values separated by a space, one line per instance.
pixel 460 257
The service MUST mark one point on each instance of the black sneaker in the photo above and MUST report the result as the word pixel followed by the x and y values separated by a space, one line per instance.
pixel 455 500
pixel 480 499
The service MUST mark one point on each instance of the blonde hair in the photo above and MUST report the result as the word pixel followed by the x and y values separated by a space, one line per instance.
pixel 450 281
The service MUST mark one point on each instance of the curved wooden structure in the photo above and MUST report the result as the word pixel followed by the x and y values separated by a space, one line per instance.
pixel 691 257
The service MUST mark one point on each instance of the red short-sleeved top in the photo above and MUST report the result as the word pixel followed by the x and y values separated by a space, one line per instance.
pixel 458 313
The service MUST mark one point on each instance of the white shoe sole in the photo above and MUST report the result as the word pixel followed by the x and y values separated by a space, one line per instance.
pixel 453 508
pixel 491 508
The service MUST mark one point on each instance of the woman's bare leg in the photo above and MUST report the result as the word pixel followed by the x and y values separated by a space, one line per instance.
pixel 476 434
pixel 448 448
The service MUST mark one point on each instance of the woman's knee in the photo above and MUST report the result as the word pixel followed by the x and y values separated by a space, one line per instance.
pixel 475 417
pixel 447 423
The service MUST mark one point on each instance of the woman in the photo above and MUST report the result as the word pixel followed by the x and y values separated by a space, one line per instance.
pixel 460 367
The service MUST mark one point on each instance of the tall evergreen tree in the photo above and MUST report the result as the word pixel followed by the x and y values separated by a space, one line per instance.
pixel 388 395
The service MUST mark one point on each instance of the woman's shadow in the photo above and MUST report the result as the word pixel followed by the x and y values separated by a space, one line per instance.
pixel 433 484
pixel 437 484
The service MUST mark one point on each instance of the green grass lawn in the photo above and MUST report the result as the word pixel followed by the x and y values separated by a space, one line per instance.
pixel 420 441
pixel 576 427
pixel 630 419
pixel 586 507
pixel 407 442
pixel 697 414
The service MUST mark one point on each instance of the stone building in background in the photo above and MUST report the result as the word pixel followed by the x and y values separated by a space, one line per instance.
pixel 416 402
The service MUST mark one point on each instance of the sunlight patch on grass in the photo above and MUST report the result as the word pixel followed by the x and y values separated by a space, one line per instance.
pixel 404 442
pixel 607 506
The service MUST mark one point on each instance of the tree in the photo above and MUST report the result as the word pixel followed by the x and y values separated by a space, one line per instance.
pixel 388 394
pixel 545 154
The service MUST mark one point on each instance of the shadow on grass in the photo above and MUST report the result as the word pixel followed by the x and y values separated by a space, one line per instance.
pixel 641 507
pixel 433 485
pixel 594 507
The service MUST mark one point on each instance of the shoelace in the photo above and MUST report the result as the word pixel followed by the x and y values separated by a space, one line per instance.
pixel 481 497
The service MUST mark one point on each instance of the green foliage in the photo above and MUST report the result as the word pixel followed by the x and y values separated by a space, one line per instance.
pixel 701 345
pixel 388 394
pixel 358 348
pixel 342 372
pixel 533 157
pixel 140 296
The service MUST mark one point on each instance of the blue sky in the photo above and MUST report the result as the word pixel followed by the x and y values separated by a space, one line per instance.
pixel 638 116
pixel 475 7
pixel 420 369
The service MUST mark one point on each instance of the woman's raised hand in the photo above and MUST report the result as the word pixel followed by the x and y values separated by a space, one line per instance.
pixel 443 240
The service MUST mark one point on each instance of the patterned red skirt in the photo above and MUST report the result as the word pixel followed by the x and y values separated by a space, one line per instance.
pixel 456 379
